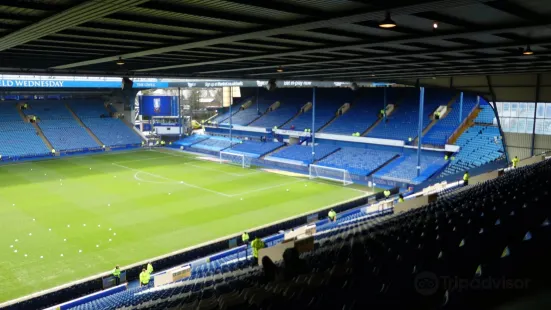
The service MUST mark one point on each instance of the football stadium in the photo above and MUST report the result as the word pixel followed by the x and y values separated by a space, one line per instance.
pixel 282 154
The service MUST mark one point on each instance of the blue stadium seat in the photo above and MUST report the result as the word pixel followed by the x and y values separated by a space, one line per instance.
pixel 479 145
pixel 302 153
pixel 328 101
pixel 17 138
pixel 246 116
pixel 364 263
pixel 446 126
pixel 361 161
pixel 362 114
pixel 403 122
pixel 254 149
pixel 486 115
pixel 112 131
pixel 404 169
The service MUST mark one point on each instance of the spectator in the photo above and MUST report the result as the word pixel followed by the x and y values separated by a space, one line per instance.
pixel 294 266
pixel 271 271
pixel 257 244
pixel 117 275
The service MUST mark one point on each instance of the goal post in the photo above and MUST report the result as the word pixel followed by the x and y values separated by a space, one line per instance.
pixel 235 159
pixel 331 174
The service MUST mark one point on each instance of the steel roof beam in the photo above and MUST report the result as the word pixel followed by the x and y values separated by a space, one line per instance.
pixel 354 18
pixel 389 56
pixel 340 47
pixel 73 16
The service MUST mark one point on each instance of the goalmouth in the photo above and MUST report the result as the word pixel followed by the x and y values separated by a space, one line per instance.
pixel 235 159
pixel 331 174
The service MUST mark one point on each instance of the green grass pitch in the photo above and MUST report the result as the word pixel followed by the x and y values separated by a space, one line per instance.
pixel 66 219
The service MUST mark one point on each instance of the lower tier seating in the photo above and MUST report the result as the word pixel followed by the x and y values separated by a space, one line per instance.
pixel 69 138
pixel 112 131
pixel 494 231
pixel 18 139
pixel 302 153
pixel 361 161
pixel 254 148
pixel 404 169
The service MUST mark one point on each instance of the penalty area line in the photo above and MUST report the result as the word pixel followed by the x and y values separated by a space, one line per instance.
pixel 172 180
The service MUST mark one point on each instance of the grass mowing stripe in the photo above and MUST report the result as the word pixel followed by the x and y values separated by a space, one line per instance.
pixel 147 220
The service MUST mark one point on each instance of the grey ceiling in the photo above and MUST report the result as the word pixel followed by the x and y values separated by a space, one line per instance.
pixel 310 39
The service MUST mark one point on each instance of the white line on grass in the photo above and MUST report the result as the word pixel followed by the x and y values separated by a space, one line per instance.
pixel 206 168
pixel 142 159
pixel 175 181
pixel 174 153
pixel 267 187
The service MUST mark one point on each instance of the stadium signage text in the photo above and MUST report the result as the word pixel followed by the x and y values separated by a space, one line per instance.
pixel 297 83
pixel 30 83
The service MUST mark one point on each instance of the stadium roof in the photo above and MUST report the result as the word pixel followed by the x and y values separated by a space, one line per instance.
pixel 308 39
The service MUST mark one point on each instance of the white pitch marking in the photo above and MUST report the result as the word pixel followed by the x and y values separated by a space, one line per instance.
pixel 206 168
pixel 171 180
pixel 266 188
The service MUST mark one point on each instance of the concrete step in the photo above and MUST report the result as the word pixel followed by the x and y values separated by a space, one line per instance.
pixel 43 137
pixel 79 121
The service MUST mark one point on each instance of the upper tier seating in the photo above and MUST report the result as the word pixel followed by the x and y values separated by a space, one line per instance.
pixel 403 122
pixel 328 101
pixel 254 148
pixel 446 126
pixel 494 231
pixel 291 101
pixel 246 116
pixel 486 115
pixel 112 131
pixel 361 161
pixel 49 110
pixel 236 107
pixel 59 126
pixel 88 108
pixel 404 169
pixel 362 114
pixel 303 153
pixel 478 146
pixel 282 114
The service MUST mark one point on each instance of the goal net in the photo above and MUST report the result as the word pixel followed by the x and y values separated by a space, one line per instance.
pixel 235 159
pixel 332 174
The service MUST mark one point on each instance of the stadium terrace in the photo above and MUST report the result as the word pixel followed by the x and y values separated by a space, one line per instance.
pixel 266 155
